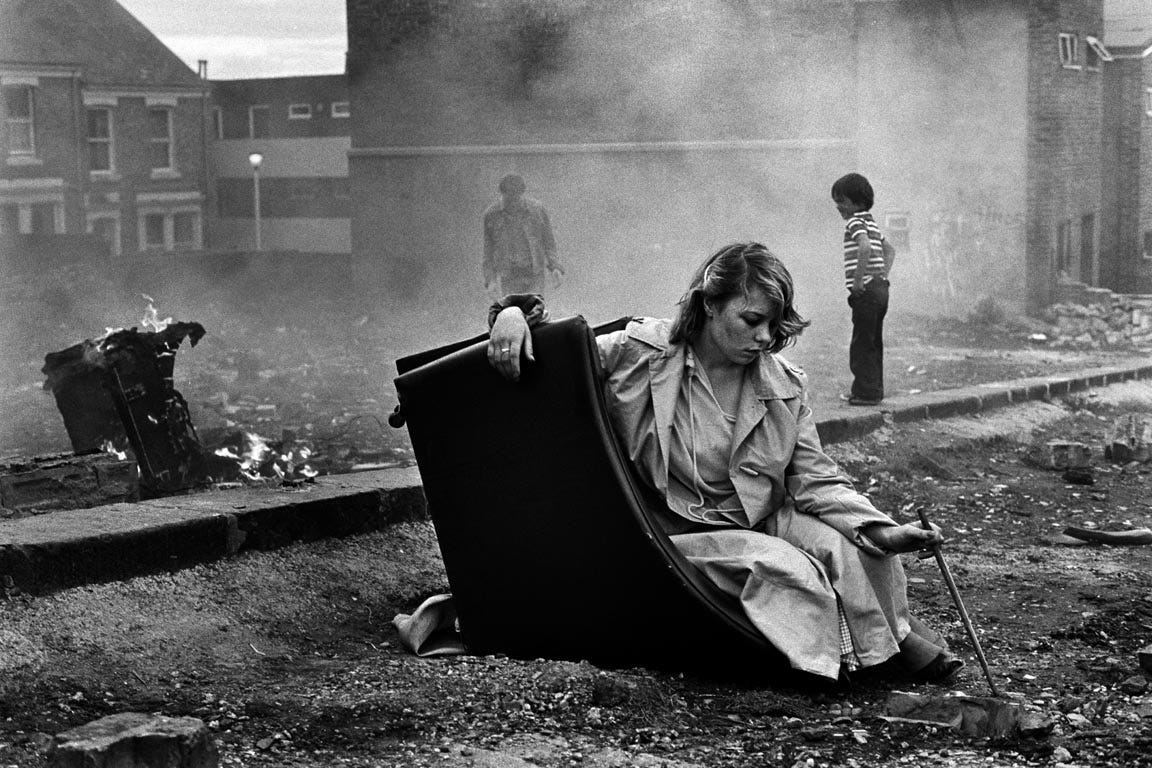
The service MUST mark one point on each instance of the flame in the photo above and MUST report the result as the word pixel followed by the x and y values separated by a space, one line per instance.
pixel 151 316
pixel 253 460
pixel 109 447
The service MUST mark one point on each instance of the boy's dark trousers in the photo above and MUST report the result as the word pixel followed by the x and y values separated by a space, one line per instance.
pixel 866 353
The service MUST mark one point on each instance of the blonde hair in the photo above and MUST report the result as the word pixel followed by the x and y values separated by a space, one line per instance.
pixel 733 270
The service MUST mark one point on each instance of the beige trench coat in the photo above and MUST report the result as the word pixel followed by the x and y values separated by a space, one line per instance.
pixel 801 548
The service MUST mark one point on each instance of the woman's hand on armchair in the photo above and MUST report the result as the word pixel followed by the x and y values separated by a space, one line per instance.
pixel 509 339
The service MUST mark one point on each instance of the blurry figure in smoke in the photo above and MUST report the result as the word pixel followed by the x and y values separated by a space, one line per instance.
pixel 868 259
pixel 519 249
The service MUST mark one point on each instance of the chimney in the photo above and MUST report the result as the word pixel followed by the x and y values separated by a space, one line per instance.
pixel 202 68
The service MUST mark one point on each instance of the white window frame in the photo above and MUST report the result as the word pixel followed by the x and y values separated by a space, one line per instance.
pixel 341 109
pixel 1069 50
pixel 252 119
pixel 1148 101
pixel 1095 55
pixel 90 228
pixel 169 216
pixel 168 141
pixel 299 111
pixel 109 140
pixel 29 122
pixel 218 122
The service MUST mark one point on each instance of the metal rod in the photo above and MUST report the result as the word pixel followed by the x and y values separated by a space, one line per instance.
pixel 947 574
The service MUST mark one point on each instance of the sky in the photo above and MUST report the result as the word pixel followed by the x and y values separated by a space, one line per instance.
pixel 250 38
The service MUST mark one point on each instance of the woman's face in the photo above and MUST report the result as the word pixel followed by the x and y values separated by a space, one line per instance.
pixel 740 329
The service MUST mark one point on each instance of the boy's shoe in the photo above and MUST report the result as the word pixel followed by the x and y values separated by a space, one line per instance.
pixel 857 400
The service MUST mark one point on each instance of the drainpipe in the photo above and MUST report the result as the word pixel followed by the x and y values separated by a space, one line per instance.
pixel 209 196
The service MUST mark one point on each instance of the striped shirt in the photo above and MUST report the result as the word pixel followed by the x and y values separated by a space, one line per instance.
pixel 862 221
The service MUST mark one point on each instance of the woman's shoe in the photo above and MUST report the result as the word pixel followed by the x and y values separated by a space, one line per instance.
pixel 940 669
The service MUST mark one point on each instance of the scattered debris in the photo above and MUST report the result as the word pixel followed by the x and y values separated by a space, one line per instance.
pixel 1065 455
pixel 1144 656
pixel 1079 476
pixel 971 715
pixel 1130 439
pixel 1130 537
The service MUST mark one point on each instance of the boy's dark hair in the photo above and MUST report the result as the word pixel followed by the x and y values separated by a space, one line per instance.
pixel 854 187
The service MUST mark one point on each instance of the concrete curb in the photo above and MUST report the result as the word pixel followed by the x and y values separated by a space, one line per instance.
pixel 45 553
pixel 966 401
pixel 68 548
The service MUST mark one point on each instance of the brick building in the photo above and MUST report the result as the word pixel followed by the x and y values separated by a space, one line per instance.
pixel 1127 223
pixel 983 121
pixel 301 127
pixel 104 129
pixel 652 131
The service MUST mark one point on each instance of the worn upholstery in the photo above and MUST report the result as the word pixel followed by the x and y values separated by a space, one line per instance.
pixel 547 541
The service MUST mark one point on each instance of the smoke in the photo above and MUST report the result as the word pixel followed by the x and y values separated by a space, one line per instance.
pixel 656 132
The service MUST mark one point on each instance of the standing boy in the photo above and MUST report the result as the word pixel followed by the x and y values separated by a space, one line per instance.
pixel 868 258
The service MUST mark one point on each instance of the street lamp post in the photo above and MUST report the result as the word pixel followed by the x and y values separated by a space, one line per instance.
pixel 255 159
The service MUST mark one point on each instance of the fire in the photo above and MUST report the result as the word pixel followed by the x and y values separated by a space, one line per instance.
pixel 109 447
pixel 258 461
pixel 151 317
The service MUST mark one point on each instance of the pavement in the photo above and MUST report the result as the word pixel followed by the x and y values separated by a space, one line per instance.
pixel 48 552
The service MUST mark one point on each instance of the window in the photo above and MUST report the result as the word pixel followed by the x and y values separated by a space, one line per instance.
pixel 184 230
pixel 1095 53
pixel 1063 245
pixel 20 119
pixel 160 138
pixel 108 229
pixel 1148 101
pixel 218 122
pixel 1087 247
pixel 1148 244
pixel 177 230
pixel 10 221
pixel 299 111
pixel 1069 51
pixel 100 140
pixel 341 109
pixel 154 230
pixel 258 122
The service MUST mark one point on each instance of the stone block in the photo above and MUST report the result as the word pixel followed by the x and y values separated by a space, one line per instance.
pixel 977 716
pixel 1144 656
pixel 1130 439
pixel 1068 455
pixel 136 740
pixel 67 481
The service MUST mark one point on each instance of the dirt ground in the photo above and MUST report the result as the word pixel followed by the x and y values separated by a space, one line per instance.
pixel 290 658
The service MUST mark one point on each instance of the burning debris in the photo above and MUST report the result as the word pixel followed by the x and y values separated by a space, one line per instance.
pixel 116 393
pixel 254 458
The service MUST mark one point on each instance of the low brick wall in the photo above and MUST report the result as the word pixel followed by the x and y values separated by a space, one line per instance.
pixel 1097 317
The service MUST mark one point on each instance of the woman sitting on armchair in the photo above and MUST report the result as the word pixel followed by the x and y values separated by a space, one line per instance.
pixel 718 424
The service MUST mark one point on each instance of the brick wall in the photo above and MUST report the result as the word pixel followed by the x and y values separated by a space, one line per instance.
pixel 1064 143
pixel 1125 163
pixel 943 136
pixel 234 97
pixel 1145 192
